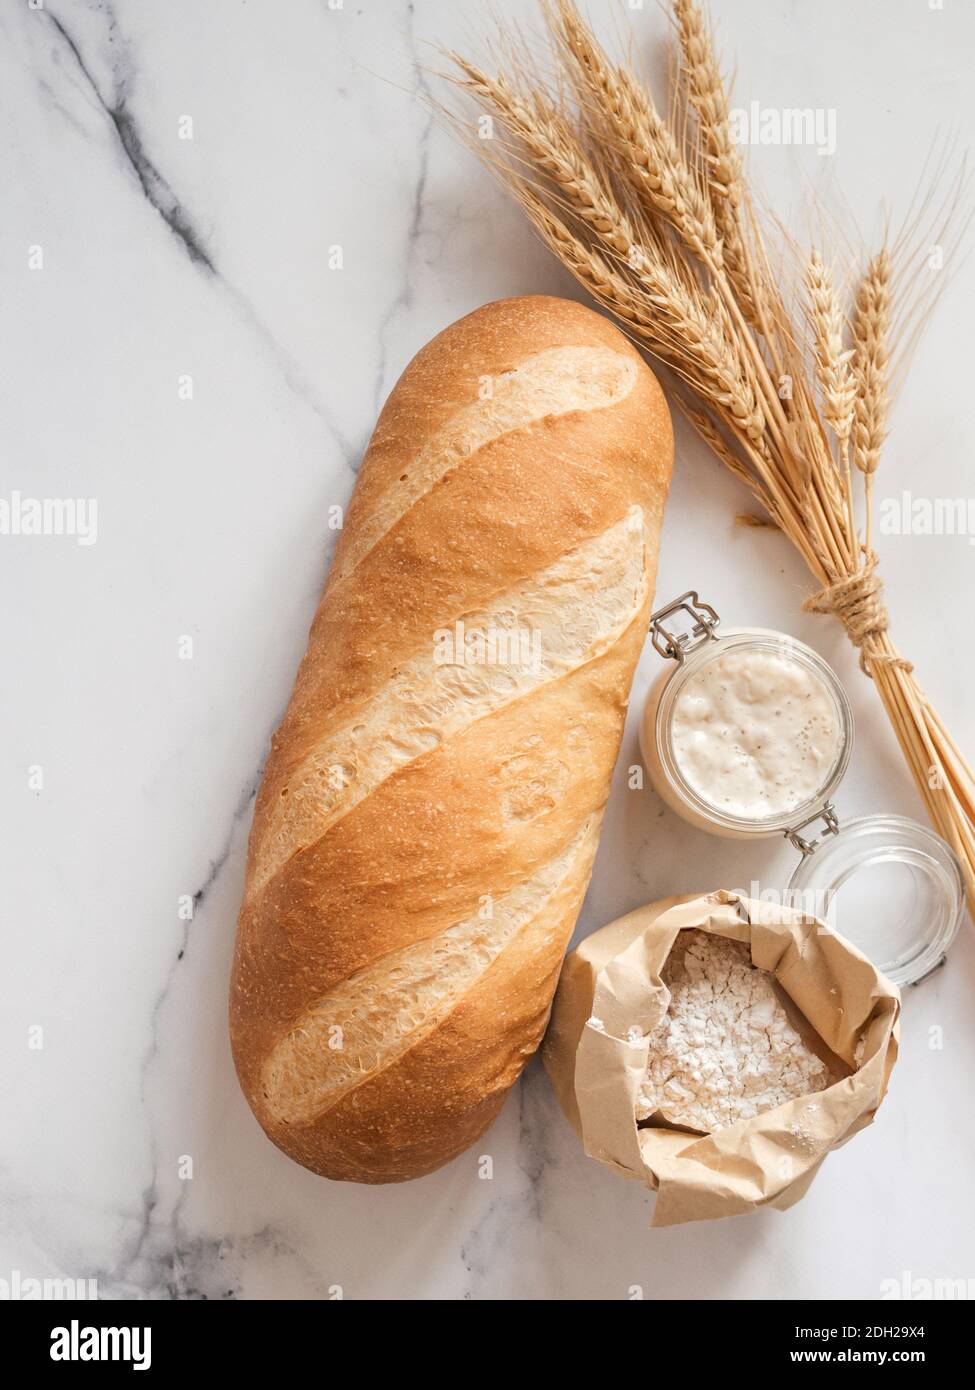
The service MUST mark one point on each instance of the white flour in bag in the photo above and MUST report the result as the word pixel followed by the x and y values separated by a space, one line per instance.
pixel 725 1050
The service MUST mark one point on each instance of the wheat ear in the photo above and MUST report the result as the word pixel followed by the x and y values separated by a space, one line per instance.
pixel 709 98
pixel 833 370
pixel 647 151
pixel 871 364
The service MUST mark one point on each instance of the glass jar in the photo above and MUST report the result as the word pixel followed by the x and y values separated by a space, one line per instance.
pixel 698 657
pixel 888 884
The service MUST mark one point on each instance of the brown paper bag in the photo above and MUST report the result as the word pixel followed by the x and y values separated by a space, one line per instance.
pixel 610 999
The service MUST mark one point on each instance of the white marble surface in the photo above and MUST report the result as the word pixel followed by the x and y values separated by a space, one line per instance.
pixel 165 257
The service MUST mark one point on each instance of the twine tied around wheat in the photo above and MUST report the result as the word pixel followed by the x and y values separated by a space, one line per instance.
pixel 858 603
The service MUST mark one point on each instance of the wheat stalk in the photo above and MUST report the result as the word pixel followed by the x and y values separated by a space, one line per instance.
pixel 707 95
pixel 833 371
pixel 871 363
pixel 709 99
pixel 655 221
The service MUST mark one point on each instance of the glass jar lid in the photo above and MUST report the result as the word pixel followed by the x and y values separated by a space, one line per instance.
pixel 888 884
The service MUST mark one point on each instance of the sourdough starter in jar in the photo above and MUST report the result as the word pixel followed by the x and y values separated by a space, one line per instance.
pixel 755 733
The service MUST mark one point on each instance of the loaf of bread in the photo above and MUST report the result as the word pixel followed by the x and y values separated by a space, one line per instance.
pixel 426 826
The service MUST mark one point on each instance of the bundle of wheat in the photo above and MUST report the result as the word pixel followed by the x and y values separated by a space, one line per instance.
pixel 652 215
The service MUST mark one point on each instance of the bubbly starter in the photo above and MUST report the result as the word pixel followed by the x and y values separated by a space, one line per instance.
pixel 755 733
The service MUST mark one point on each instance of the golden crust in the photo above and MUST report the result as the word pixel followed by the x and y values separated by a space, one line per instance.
pixel 490 805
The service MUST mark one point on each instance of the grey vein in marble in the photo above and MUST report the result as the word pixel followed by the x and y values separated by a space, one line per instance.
pixel 163 198
pixel 153 185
